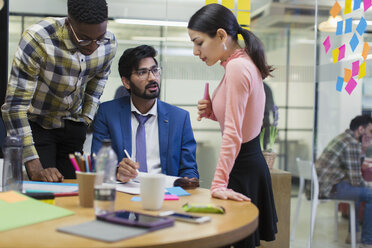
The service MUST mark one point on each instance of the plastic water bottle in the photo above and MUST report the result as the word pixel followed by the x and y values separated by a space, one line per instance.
pixel 105 182
pixel 12 168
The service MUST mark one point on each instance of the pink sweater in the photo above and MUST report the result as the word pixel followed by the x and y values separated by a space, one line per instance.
pixel 238 105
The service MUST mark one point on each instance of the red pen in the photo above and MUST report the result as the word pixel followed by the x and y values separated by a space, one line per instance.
pixel 66 194
pixel 206 91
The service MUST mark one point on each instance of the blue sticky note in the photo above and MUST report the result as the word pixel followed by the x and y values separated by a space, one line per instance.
pixel 340 82
pixel 361 26
pixel 177 191
pixel 354 42
pixel 340 25
pixel 348 25
pixel 136 198
pixel 357 4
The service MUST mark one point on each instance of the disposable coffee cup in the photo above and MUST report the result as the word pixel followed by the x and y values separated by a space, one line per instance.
pixel 152 191
pixel 86 188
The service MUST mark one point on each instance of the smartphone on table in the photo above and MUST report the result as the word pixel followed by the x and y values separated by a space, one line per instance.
pixel 187 217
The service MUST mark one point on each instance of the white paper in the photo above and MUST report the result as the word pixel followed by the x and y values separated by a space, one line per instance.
pixel 133 186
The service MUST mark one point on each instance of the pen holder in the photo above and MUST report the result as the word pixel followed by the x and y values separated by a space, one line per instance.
pixel 86 188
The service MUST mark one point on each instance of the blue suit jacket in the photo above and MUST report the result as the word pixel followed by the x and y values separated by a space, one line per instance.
pixel 177 145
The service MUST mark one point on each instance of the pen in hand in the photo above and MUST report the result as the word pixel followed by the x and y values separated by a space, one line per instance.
pixel 128 156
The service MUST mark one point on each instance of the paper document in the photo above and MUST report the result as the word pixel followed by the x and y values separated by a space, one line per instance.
pixel 34 186
pixel 133 186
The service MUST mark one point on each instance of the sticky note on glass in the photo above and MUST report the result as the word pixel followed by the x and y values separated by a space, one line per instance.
pixel 348 25
pixel 347 9
pixel 339 28
pixel 366 4
pixel 361 26
pixel 244 4
pixel 228 4
pixel 335 9
pixel 355 68
pixel 327 44
pixel 335 53
pixel 341 52
pixel 354 42
pixel 365 50
pixel 347 75
pixel 357 4
pixel 350 86
pixel 362 70
pixel 244 18
pixel 210 1
pixel 340 82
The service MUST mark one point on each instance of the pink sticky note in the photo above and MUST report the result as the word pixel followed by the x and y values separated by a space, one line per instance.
pixel 327 44
pixel 355 68
pixel 350 86
pixel 366 4
pixel 171 197
pixel 341 53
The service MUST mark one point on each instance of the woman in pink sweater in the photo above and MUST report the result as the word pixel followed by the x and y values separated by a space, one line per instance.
pixel 238 105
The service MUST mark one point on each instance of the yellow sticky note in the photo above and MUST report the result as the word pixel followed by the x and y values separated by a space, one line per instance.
pixel 335 9
pixel 335 55
pixel 230 4
pixel 347 9
pixel 210 1
pixel 347 75
pixel 12 197
pixel 362 70
pixel 365 50
pixel 244 18
pixel 244 4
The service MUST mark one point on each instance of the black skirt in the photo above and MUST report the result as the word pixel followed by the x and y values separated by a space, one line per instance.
pixel 251 177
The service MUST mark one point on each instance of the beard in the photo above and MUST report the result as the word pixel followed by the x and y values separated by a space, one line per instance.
pixel 145 94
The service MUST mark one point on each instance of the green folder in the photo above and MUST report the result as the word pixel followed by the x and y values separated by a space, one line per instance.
pixel 18 210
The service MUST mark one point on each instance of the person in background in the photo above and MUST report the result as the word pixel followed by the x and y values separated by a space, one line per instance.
pixel 58 74
pixel 238 105
pixel 340 175
pixel 169 146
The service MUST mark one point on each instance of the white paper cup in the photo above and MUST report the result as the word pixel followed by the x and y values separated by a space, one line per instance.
pixel 152 191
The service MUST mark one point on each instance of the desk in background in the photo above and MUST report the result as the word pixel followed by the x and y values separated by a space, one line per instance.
pixel 240 220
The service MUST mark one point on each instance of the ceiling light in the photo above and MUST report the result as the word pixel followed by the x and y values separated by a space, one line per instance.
pixel 151 22
pixel 330 25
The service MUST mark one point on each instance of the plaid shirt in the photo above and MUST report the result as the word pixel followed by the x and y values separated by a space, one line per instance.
pixel 340 161
pixel 52 81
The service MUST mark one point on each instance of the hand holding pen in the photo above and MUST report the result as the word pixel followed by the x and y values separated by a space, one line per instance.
pixel 128 169
pixel 205 105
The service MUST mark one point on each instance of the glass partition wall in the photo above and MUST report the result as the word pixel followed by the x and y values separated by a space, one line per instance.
pixel 305 94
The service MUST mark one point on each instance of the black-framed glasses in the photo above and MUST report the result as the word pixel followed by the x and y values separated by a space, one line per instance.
pixel 88 42
pixel 144 73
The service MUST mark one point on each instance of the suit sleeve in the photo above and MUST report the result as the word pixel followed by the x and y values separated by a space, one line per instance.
pixel 188 166
pixel 100 129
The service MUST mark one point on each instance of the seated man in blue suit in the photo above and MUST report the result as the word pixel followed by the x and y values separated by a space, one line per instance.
pixel 170 145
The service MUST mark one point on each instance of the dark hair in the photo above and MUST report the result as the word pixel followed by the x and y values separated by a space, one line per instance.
pixel 88 11
pixel 131 58
pixel 360 120
pixel 211 17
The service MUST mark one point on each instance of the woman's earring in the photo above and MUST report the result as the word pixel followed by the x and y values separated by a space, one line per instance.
pixel 224 46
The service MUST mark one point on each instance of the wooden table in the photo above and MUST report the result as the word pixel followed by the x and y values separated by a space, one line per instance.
pixel 240 220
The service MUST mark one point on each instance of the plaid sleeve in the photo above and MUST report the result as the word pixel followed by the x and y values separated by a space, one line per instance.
pixel 353 163
pixel 96 85
pixel 20 90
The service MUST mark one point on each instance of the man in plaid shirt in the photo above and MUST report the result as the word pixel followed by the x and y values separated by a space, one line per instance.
pixel 339 171
pixel 58 75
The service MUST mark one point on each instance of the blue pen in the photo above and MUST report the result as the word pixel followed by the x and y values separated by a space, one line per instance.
pixel 86 163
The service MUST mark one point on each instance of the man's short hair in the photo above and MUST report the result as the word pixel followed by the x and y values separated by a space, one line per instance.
pixel 88 11
pixel 360 120
pixel 132 57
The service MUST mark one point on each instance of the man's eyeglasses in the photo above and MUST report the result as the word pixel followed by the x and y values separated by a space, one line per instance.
pixel 144 73
pixel 88 42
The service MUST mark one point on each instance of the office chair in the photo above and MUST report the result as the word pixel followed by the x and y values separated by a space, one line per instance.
pixel 307 171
